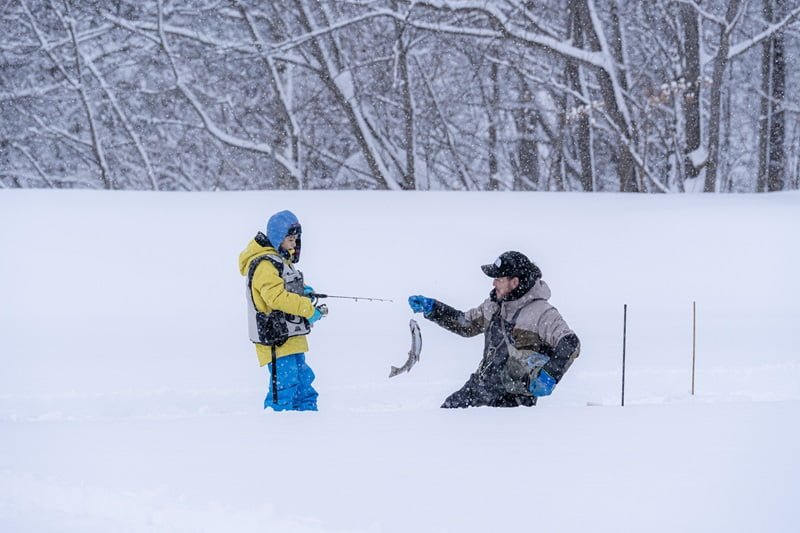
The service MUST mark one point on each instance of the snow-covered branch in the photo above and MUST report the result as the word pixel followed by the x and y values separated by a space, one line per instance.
pixel 742 47
pixel 507 30
pixel 716 19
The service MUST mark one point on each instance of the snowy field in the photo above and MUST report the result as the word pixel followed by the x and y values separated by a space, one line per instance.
pixel 131 399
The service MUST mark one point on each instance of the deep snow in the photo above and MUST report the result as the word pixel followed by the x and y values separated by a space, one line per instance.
pixel 130 398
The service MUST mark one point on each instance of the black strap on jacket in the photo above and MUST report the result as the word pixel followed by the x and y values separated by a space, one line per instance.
pixel 274 374
pixel 257 261
pixel 250 273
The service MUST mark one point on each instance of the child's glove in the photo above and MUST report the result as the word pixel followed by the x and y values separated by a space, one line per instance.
pixel 319 312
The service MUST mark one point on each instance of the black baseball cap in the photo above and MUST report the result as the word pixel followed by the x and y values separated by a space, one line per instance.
pixel 513 265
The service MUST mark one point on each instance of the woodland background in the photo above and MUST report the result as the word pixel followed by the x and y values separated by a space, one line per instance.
pixel 562 95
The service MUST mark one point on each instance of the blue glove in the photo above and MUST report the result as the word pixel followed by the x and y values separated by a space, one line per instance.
pixel 421 304
pixel 307 289
pixel 543 385
pixel 319 312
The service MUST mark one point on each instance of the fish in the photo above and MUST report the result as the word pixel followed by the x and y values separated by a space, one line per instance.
pixel 413 353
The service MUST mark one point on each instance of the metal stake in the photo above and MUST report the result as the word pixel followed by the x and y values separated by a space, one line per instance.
pixel 624 341
pixel 694 341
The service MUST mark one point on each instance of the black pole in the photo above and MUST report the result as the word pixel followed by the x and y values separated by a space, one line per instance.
pixel 624 340
pixel 274 375
pixel 694 340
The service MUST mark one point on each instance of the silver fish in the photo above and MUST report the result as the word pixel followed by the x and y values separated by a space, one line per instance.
pixel 413 353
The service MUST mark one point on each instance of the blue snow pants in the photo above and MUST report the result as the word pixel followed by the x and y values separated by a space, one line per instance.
pixel 295 392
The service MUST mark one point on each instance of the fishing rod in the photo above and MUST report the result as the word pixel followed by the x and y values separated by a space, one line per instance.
pixel 316 295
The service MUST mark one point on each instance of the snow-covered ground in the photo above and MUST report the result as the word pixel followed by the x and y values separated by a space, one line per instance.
pixel 130 397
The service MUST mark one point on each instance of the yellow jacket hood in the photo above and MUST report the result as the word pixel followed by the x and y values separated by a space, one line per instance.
pixel 252 251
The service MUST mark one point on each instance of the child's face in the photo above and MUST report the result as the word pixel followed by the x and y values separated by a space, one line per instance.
pixel 289 243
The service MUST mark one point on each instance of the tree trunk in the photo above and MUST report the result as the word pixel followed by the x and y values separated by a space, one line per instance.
pixel 764 110
pixel 494 183
pixel 772 123
pixel 691 98
pixel 613 100
pixel 527 172
pixel 720 64
pixel 584 133
pixel 776 169
pixel 409 180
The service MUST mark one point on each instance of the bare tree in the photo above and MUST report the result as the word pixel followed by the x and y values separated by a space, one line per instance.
pixel 772 161
pixel 732 17
pixel 576 83
pixel 690 99
pixel 526 170
pixel 402 47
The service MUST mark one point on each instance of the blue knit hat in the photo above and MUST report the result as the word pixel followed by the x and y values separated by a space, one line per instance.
pixel 279 226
